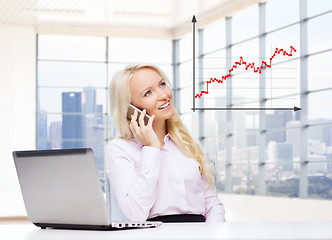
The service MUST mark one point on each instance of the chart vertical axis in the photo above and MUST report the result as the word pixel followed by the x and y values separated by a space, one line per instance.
pixel 194 58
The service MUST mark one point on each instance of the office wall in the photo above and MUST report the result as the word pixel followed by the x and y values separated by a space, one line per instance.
pixel 18 107
pixel 254 208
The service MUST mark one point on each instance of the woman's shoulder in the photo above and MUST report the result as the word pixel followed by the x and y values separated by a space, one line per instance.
pixel 124 148
pixel 123 144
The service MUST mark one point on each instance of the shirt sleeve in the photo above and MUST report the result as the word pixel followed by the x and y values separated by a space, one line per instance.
pixel 214 209
pixel 134 183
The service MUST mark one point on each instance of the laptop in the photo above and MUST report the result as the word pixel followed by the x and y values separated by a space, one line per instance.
pixel 61 189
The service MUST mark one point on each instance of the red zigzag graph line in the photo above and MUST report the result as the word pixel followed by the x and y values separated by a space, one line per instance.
pixel 251 65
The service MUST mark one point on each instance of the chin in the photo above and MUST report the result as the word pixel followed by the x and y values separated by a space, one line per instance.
pixel 165 116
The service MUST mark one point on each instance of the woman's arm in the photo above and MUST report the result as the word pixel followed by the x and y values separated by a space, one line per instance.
pixel 133 182
pixel 214 209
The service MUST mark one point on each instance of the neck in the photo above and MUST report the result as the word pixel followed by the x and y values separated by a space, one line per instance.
pixel 160 129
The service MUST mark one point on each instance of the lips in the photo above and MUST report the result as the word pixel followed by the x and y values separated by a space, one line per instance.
pixel 164 105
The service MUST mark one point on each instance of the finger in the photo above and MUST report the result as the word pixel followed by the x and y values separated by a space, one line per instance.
pixel 133 122
pixel 134 116
pixel 141 118
pixel 133 130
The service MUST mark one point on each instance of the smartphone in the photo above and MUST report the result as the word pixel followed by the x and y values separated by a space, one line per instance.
pixel 131 111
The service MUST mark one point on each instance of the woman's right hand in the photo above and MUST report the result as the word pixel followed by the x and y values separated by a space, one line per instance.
pixel 142 132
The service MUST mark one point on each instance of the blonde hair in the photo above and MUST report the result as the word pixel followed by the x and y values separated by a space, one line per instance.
pixel 120 98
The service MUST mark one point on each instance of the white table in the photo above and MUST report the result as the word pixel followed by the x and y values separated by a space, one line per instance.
pixel 229 230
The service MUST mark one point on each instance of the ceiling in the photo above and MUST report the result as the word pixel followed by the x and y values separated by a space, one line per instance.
pixel 163 19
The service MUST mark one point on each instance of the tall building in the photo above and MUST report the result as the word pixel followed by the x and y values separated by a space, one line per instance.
pixel 72 120
pixel 277 120
pixel 294 136
pixel 329 163
pixel 94 125
pixel 284 155
pixel 317 164
pixel 42 130
pixel 323 133
pixel 89 99
pixel 98 134
pixel 55 132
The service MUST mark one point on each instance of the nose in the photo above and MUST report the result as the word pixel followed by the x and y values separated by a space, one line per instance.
pixel 162 94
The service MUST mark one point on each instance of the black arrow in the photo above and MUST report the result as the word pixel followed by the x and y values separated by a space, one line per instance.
pixel 248 109
pixel 194 58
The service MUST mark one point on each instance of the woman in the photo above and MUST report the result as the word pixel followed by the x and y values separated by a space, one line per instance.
pixel 156 170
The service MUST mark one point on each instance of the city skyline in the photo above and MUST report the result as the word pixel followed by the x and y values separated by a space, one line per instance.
pixel 81 124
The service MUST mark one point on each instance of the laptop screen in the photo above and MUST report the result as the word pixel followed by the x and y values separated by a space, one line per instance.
pixel 61 186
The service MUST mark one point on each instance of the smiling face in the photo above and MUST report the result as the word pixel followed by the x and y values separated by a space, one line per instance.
pixel 149 91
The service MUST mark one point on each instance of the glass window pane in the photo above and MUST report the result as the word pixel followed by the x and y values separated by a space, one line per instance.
pixel 190 120
pixel 319 178
pixel 283 145
pixel 98 150
pixel 319 38
pixel 71 48
pixel 111 130
pixel 245 81
pixel 186 96
pixel 186 74
pixel 242 152
pixel 140 50
pixel 214 67
pixel 168 70
pixel 283 39
pixel 71 74
pixel 283 80
pixel 280 13
pixel 318 6
pixel 57 100
pixel 285 102
pixel 319 105
pixel 220 175
pixel 245 178
pixel 320 140
pixel 220 162
pixel 241 31
pixel 186 48
pixel 279 119
pixel 248 50
pixel 187 120
pixel 319 73
pixel 245 136
pixel 215 126
pixel 282 179
pixel 211 147
pixel 113 68
pixel 66 130
pixel 214 37
pixel 211 124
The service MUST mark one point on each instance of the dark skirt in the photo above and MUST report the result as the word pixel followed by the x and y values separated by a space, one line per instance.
pixel 177 218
